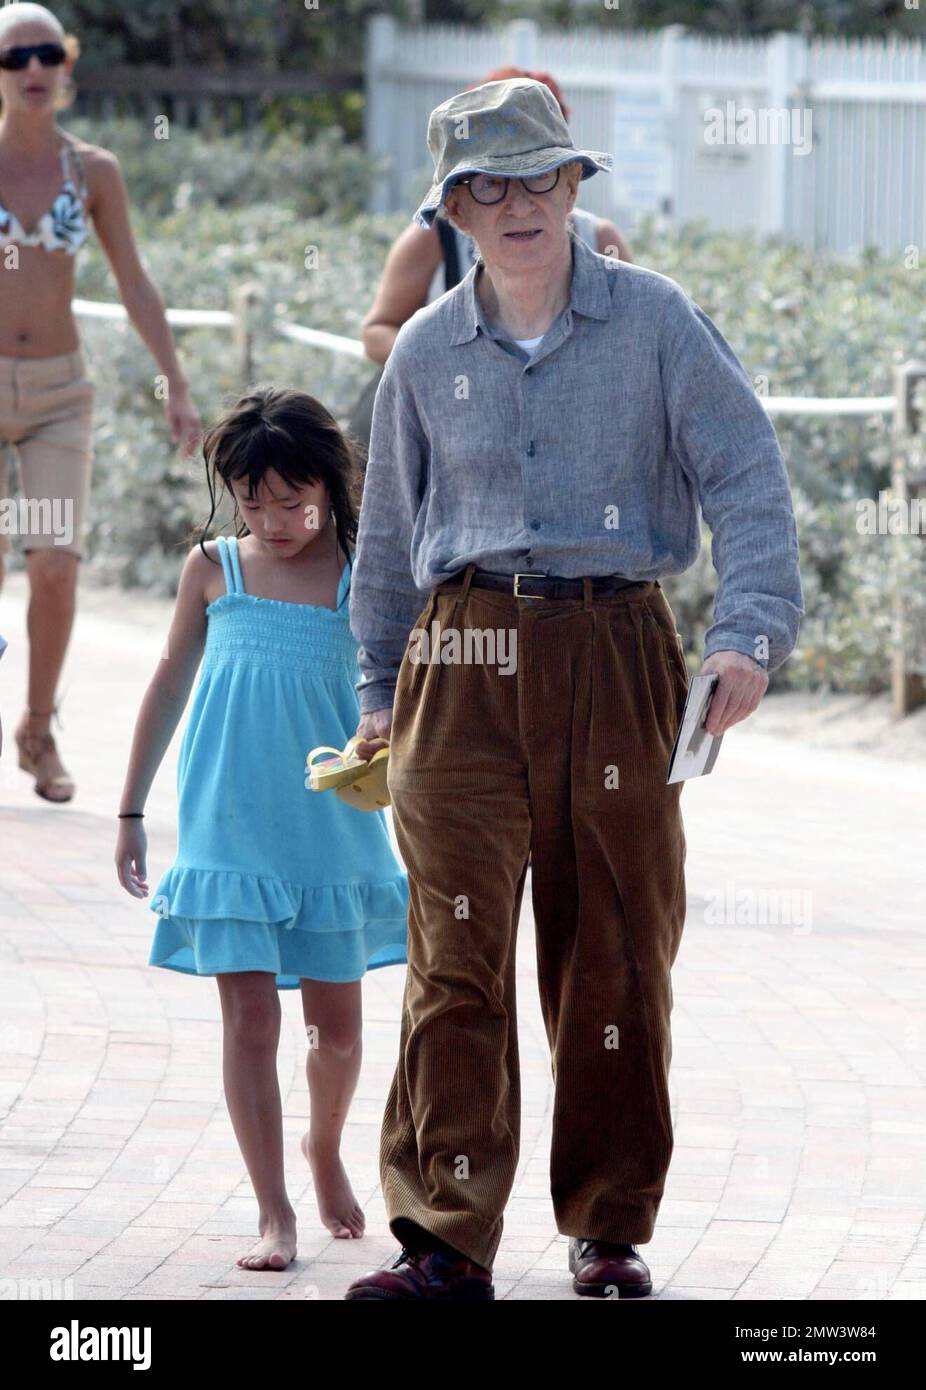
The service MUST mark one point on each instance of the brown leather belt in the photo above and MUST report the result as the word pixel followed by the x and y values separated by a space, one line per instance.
pixel 548 585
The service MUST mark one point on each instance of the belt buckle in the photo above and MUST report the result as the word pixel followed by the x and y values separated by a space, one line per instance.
pixel 517 591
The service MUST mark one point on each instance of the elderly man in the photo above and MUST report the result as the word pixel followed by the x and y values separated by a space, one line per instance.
pixel 544 438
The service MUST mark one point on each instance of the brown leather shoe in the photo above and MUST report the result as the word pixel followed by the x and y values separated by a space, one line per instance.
pixel 428 1274
pixel 603 1269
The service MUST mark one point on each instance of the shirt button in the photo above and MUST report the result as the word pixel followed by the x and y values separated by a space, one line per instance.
pixel 535 525
pixel 528 370
pixel 530 450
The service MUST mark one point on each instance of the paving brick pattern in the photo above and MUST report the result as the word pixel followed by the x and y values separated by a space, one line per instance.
pixel 799 1054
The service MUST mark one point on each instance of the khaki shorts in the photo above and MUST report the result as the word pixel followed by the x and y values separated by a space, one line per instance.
pixel 46 416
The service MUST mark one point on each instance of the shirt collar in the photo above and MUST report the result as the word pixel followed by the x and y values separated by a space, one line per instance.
pixel 590 294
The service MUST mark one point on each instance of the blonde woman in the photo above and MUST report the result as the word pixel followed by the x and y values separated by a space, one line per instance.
pixel 52 187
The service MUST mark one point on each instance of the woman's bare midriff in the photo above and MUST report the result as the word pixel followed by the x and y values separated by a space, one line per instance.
pixel 36 319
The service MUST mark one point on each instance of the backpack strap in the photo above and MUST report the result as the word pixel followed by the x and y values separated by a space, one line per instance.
pixel 448 241
pixel 586 226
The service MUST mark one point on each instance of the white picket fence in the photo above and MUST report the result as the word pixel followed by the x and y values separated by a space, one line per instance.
pixel 643 97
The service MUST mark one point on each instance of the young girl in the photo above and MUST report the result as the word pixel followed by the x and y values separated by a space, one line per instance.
pixel 274 885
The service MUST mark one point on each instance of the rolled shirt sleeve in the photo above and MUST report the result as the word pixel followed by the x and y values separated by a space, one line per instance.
pixel 385 599
pixel 725 442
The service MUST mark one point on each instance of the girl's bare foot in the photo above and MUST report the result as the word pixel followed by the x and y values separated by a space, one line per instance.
pixel 337 1206
pixel 276 1247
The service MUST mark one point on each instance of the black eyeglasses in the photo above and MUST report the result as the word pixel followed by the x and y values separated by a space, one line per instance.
pixel 490 188
pixel 50 55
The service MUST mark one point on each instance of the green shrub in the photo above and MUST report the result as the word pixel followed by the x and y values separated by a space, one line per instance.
pixel 813 325
pixel 326 176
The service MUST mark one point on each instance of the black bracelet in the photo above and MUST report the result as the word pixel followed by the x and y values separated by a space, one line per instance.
pixel 130 815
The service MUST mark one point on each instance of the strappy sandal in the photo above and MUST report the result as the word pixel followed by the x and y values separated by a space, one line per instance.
pixel 38 754
pixel 360 782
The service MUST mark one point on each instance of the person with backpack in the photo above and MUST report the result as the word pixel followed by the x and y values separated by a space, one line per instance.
pixel 425 262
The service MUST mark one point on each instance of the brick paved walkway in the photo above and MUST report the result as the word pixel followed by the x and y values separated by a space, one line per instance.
pixel 797 1082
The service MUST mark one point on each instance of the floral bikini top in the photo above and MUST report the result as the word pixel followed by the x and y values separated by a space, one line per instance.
pixel 64 226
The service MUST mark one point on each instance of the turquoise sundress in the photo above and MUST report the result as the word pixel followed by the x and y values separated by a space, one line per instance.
pixel 270 875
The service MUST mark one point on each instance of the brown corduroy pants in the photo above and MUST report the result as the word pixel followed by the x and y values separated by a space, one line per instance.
pixel 560 757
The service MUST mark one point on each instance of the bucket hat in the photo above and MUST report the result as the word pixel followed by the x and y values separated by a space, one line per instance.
pixel 512 128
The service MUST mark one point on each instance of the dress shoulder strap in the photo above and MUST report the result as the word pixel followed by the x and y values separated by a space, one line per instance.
pixel 236 564
pixel 231 564
pixel 222 547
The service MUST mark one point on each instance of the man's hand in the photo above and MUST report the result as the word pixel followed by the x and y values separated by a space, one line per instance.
pixel 742 684
pixel 374 728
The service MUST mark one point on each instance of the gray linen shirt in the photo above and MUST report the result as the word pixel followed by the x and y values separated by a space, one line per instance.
pixel 595 456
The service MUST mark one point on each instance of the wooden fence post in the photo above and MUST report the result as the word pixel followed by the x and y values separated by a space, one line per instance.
pixel 908 688
pixel 244 299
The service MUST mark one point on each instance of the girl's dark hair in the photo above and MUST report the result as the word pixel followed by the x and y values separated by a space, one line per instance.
pixel 293 434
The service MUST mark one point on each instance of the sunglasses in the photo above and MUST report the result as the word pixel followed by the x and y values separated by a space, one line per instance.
pixel 50 55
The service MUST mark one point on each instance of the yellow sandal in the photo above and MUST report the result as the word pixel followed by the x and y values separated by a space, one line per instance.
pixel 360 782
